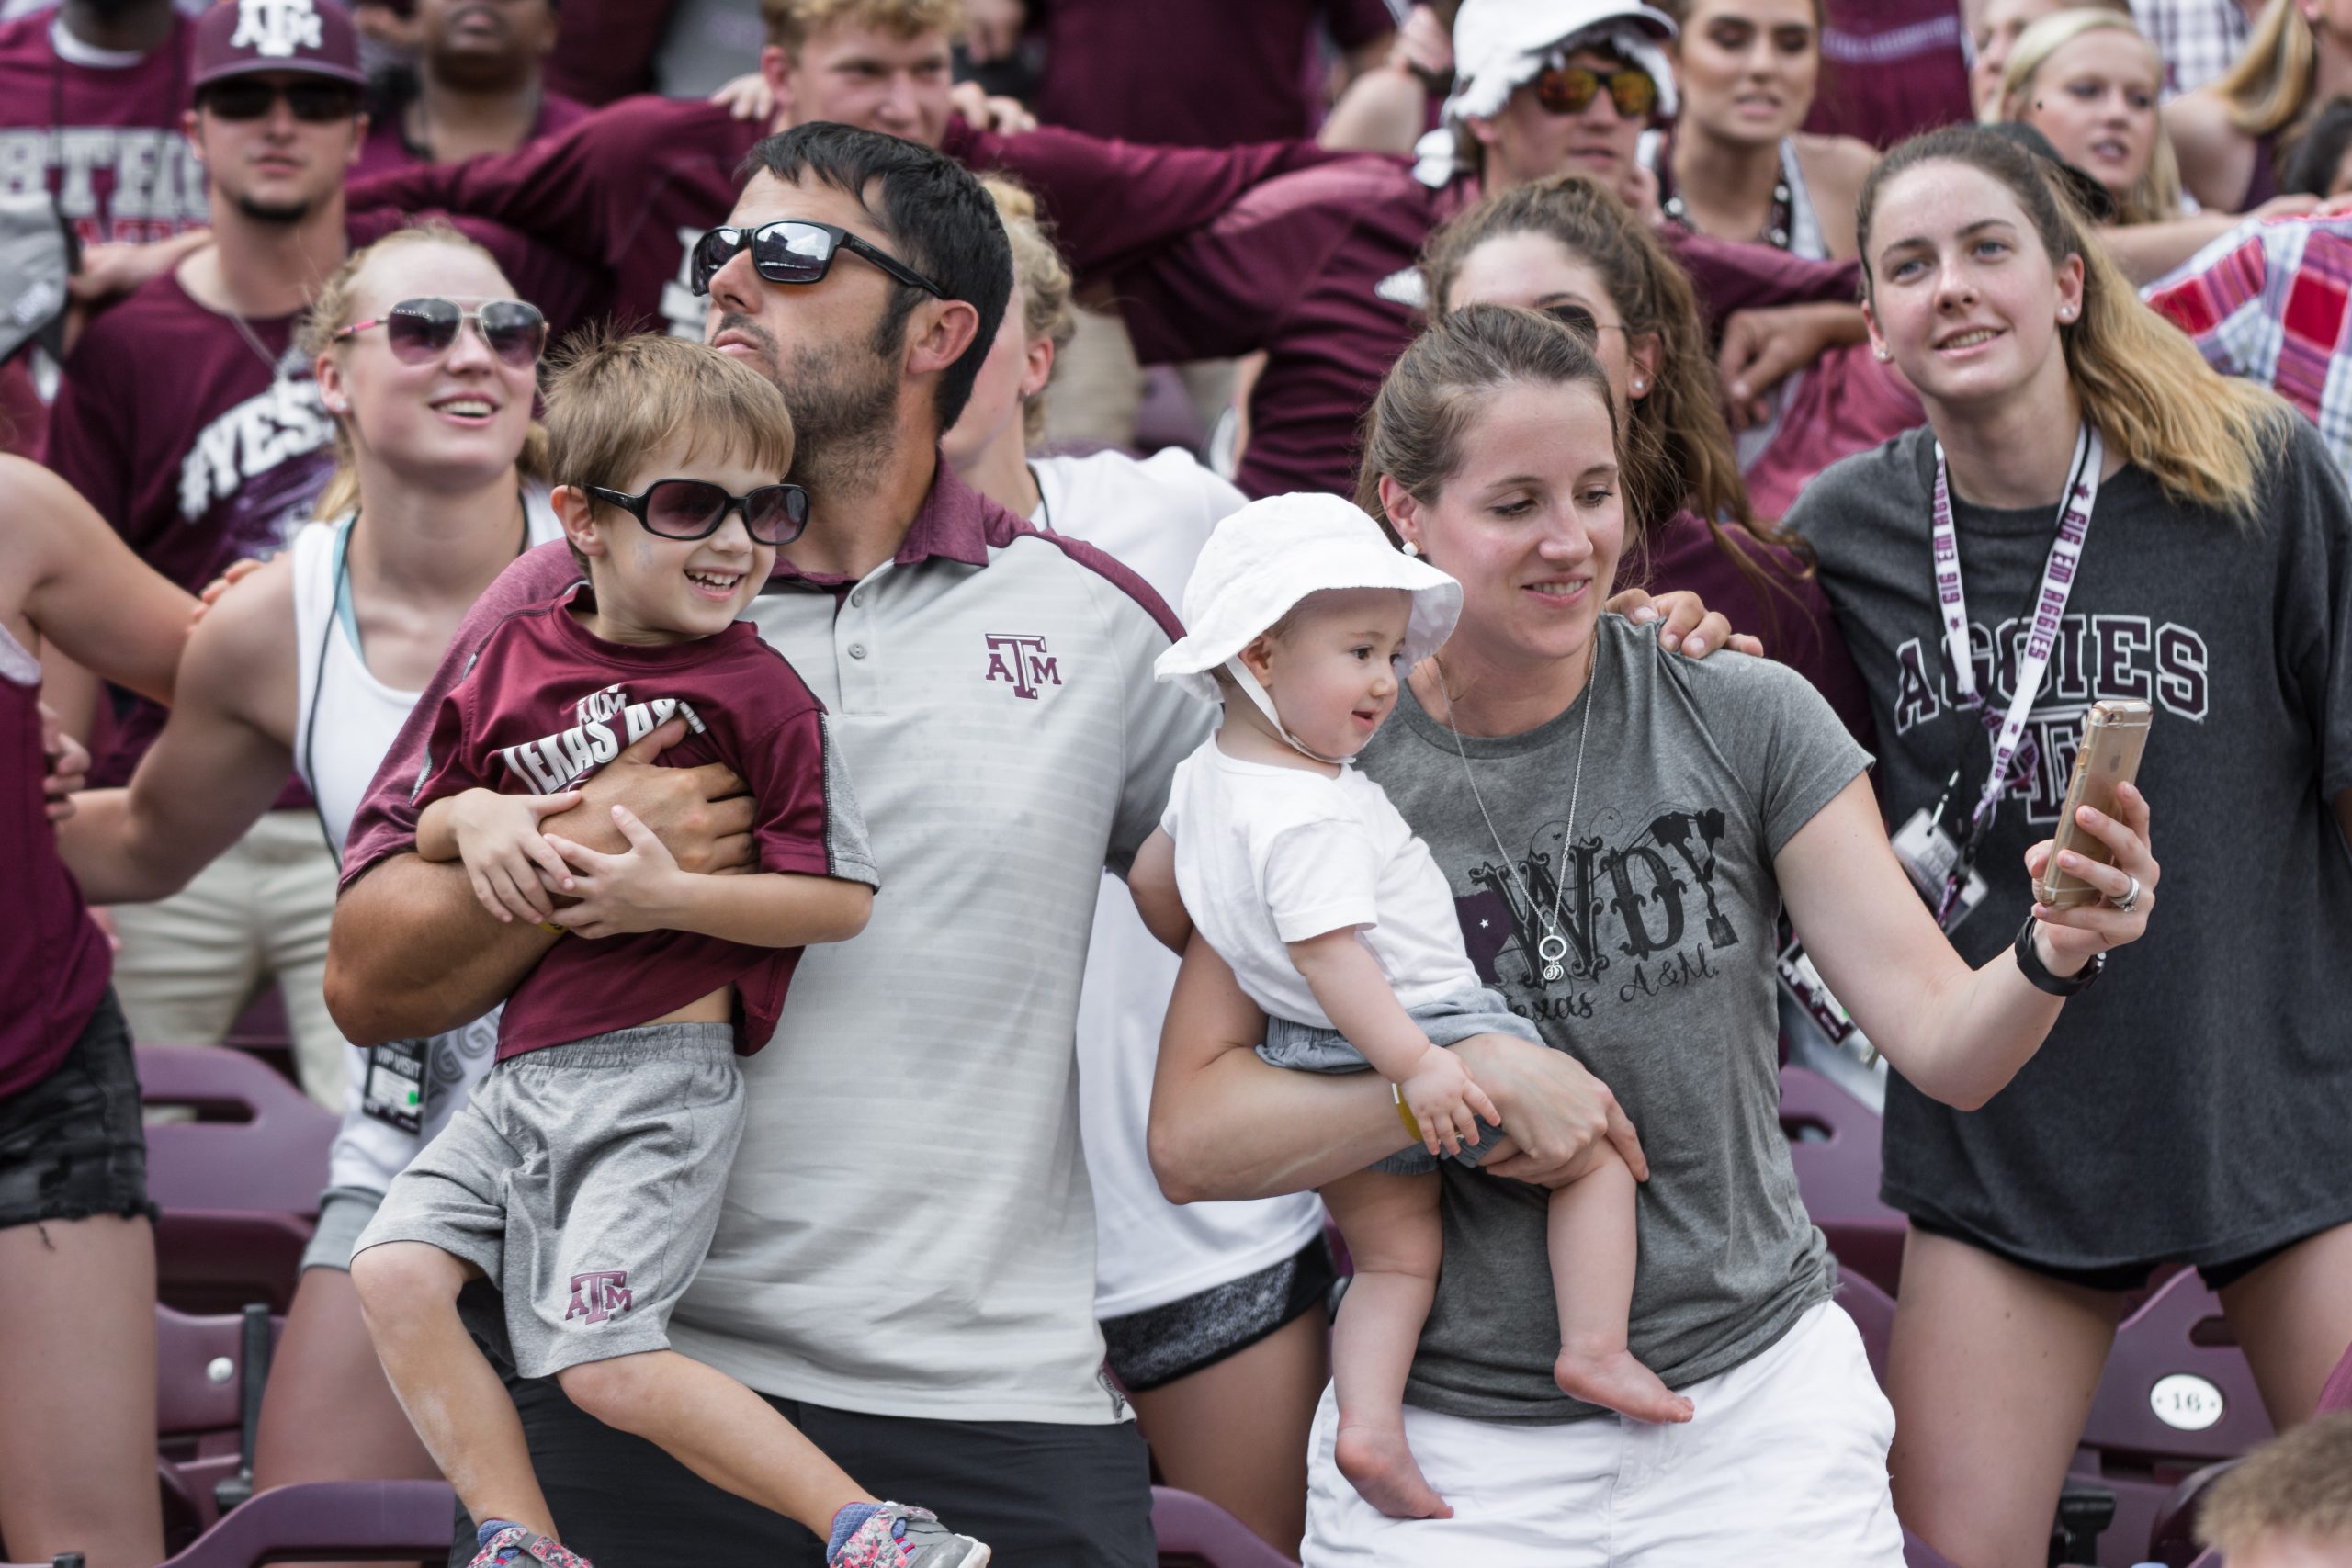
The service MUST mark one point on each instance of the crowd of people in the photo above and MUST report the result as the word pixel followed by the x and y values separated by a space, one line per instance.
pixel 867 919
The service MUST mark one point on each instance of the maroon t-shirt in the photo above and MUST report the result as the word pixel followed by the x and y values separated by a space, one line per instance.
pixel 53 962
pixel 1203 73
pixel 386 147
pixel 1891 69
pixel 1789 611
pixel 605 48
pixel 117 164
pixel 221 454
pixel 1845 402
pixel 1317 268
pixel 546 704
pixel 632 188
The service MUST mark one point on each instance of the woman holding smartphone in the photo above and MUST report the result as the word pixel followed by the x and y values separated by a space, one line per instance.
pixel 2182 539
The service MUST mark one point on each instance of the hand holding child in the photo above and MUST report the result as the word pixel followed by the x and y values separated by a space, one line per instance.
pixel 637 890
pixel 499 840
pixel 1442 1097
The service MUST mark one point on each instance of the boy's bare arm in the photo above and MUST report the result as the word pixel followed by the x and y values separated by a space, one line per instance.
pixel 1151 880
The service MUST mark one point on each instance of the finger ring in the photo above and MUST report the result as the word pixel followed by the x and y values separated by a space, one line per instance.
pixel 2130 901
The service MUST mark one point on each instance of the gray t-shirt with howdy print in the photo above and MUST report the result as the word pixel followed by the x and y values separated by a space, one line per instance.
pixel 1695 775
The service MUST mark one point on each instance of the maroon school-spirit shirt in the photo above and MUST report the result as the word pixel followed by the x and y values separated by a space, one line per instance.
pixel 1891 69
pixel 100 129
pixel 387 149
pixel 1317 268
pixel 632 188
pixel 605 48
pixel 202 448
pixel 1844 403
pixel 53 962
pixel 546 704
pixel 1204 74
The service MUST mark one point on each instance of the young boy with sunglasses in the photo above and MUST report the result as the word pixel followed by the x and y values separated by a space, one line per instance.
pixel 585 1177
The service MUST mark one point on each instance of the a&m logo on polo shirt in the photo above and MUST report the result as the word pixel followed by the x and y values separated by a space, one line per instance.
pixel 277 27
pixel 1021 659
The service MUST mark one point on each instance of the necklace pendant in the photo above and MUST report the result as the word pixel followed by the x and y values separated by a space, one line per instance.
pixel 1552 972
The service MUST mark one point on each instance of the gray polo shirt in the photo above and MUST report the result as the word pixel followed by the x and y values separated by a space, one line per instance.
pixel 909 1229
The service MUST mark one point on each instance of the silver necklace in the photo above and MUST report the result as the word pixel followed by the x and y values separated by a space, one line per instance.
pixel 1552 949
pixel 273 362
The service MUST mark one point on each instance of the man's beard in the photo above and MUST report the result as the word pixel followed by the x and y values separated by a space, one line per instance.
pixel 840 398
pixel 283 213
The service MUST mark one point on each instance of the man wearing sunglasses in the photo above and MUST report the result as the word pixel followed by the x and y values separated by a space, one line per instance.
pixel 906 1264
pixel 635 186
pixel 186 418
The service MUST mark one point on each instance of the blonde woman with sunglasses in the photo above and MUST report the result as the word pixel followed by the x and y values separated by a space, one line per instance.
pixel 428 365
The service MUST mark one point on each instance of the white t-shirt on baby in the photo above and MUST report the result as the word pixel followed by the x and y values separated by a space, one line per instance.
pixel 1266 856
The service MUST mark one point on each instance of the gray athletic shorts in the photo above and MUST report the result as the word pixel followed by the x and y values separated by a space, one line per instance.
pixel 1453 1018
pixel 585 1180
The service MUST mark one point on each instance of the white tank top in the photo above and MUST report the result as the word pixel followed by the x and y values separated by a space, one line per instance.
pixel 345 719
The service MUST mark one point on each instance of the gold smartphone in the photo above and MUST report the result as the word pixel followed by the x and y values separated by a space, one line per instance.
pixel 2115 733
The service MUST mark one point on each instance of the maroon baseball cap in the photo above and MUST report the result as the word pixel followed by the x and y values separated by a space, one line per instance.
pixel 315 38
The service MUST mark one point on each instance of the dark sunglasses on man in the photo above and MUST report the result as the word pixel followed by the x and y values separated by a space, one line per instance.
pixel 1570 89
pixel 694 509
pixel 420 329
pixel 795 250
pixel 249 97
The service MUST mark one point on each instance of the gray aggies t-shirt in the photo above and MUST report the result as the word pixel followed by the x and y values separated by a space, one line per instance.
pixel 2192 1104
pixel 1695 776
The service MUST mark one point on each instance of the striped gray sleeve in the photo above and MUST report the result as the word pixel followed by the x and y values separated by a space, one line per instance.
pixel 848 855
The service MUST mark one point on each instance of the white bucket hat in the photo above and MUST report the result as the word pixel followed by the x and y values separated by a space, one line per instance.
pixel 1264 559
pixel 1499 46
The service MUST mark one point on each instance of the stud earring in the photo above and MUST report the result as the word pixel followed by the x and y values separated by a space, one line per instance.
pixel 1640 386
pixel 1410 548
pixel 1881 355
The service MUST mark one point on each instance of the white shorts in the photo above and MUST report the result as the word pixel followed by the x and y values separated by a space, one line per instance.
pixel 1786 1462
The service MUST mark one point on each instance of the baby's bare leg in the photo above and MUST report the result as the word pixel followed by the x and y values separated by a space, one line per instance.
pixel 1593 1250
pixel 1391 1225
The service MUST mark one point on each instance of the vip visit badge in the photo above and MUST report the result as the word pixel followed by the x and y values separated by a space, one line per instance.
pixel 394 1091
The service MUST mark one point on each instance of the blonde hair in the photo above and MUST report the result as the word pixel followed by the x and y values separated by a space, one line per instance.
pixel 2156 196
pixel 1424 409
pixel 790 22
pixel 334 309
pixel 2299 1483
pixel 2203 435
pixel 1044 280
pixel 612 400
pixel 2272 85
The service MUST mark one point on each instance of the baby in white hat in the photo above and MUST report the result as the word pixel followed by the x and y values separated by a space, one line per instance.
pixel 1337 921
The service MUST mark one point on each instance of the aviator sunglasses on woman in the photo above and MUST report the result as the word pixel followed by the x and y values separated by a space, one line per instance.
pixel 795 250
pixel 420 330
pixel 694 509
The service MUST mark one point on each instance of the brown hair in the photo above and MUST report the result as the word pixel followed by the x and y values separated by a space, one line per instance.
pixel 1044 280
pixel 791 21
pixel 1413 433
pixel 2271 84
pixel 612 400
pixel 1677 450
pixel 2142 382
pixel 335 308
pixel 2156 198
pixel 2299 1483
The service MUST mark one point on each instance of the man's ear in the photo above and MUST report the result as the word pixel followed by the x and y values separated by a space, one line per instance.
pixel 573 510
pixel 938 334
pixel 776 67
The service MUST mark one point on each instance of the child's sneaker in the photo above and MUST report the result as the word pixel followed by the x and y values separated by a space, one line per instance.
pixel 506 1545
pixel 895 1536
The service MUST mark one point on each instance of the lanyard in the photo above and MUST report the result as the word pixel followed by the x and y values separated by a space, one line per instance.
pixel 2048 606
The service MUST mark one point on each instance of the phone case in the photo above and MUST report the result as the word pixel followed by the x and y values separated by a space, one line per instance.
pixel 2115 736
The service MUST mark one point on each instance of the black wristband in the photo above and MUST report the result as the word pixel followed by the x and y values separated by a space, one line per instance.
pixel 2038 974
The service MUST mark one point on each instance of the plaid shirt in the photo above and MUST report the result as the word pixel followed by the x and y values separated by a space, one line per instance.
pixel 2196 40
pixel 2271 300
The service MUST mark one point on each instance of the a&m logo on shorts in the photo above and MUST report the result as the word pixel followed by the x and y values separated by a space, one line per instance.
pixel 1021 658
pixel 277 27
pixel 598 1295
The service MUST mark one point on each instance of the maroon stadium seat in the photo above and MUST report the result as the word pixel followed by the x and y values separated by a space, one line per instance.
pixel 2174 1539
pixel 239 1185
pixel 1833 1143
pixel 1196 1533
pixel 343 1521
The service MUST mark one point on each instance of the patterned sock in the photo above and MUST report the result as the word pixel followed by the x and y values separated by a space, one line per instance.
pixel 846 1524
